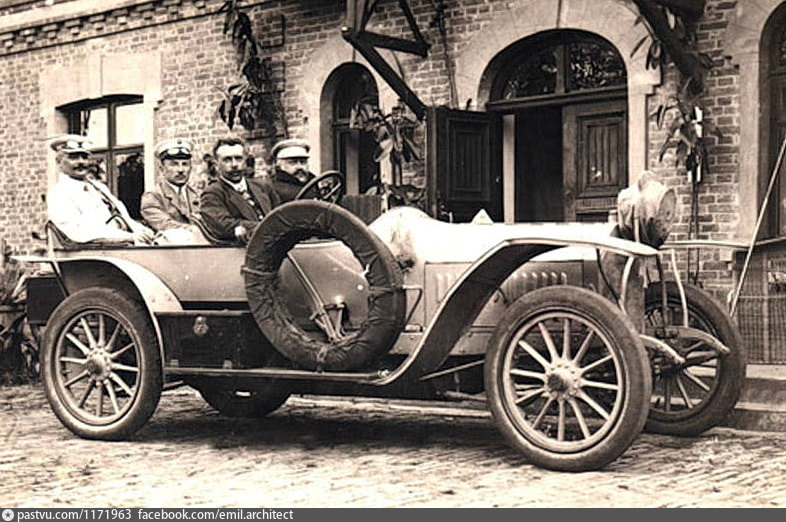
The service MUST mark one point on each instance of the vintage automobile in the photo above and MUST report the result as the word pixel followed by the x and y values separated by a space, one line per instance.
pixel 572 359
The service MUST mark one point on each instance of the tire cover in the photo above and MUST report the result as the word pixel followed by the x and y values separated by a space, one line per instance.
pixel 276 235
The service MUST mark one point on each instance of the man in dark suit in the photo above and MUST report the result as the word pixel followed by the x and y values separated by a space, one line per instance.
pixel 232 205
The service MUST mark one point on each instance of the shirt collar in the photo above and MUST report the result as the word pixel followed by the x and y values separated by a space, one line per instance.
pixel 240 186
pixel 176 188
pixel 68 180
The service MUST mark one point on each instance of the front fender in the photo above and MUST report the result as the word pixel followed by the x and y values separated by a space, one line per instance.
pixel 467 297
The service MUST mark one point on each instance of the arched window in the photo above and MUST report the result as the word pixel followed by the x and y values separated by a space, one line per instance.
pixel 352 149
pixel 570 63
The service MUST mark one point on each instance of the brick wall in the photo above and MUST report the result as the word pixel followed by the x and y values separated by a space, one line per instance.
pixel 198 59
pixel 718 201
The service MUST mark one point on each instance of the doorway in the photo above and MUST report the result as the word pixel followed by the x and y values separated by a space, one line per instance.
pixel 566 94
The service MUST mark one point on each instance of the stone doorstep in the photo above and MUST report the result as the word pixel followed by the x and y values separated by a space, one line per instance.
pixel 762 405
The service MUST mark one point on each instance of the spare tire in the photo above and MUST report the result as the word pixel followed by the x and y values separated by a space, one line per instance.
pixel 276 235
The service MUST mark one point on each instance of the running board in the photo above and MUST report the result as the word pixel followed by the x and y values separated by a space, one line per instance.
pixel 278 373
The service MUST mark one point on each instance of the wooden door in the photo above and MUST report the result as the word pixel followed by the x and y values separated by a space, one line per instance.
pixel 463 169
pixel 595 158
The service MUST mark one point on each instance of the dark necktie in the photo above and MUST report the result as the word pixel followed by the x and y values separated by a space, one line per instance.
pixel 251 201
pixel 116 215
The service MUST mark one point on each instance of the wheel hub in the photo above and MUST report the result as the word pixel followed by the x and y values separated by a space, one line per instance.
pixel 563 380
pixel 99 365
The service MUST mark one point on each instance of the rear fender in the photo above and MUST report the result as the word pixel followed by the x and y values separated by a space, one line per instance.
pixel 467 297
pixel 83 272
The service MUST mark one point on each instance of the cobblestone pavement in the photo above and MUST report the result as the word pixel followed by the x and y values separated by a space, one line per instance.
pixel 360 453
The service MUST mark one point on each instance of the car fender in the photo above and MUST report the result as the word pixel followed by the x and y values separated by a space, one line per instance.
pixel 157 296
pixel 470 293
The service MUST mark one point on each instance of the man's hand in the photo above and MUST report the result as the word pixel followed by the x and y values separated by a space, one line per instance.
pixel 143 236
pixel 241 234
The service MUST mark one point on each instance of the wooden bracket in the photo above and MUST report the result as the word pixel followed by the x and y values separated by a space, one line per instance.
pixel 359 13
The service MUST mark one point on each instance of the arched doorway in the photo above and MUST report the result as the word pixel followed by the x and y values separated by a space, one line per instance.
pixel 348 150
pixel 562 97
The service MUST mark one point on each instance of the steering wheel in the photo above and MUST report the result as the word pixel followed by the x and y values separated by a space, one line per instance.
pixel 328 186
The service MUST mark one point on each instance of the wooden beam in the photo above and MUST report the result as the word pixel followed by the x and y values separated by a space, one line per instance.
pixel 393 43
pixel 387 73
pixel 413 24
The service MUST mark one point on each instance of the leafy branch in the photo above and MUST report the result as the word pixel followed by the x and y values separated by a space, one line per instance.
pixel 686 132
pixel 672 39
pixel 254 100
pixel 394 133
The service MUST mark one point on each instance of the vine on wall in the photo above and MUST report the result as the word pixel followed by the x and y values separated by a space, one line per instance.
pixel 253 102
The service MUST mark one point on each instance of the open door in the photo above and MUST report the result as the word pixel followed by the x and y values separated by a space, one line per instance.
pixel 595 159
pixel 463 168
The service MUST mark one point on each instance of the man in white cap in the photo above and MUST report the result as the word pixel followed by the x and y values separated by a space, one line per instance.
pixel 290 172
pixel 82 207
pixel 174 202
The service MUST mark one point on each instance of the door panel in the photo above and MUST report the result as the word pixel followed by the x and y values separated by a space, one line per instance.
pixel 463 164
pixel 595 156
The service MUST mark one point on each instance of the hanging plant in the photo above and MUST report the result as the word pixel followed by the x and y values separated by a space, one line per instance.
pixel 394 133
pixel 672 39
pixel 686 131
pixel 253 102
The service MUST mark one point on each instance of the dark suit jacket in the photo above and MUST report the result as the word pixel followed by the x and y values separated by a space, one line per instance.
pixel 163 209
pixel 286 185
pixel 223 208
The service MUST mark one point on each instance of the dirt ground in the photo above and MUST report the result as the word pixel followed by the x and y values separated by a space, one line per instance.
pixel 331 452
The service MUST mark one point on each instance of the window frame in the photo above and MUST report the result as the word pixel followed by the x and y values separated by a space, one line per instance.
pixel 109 153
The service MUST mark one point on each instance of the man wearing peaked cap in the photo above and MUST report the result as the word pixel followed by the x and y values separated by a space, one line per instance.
pixel 82 207
pixel 174 202
pixel 290 171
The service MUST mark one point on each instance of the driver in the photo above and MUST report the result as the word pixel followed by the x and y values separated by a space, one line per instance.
pixel 81 206
pixel 233 204
pixel 290 172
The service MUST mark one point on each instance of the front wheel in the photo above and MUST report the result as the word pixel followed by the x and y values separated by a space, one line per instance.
pixel 567 379
pixel 697 395
pixel 100 364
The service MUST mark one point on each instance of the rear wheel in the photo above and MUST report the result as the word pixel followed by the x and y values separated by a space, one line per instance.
pixel 100 364
pixel 567 379
pixel 693 397
pixel 232 401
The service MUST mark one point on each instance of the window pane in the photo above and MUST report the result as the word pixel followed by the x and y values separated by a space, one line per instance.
pixel 130 124
pixel 594 65
pixel 537 74
pixel 354 87
pixel 94 125
pixel 99 167
pixel 130 180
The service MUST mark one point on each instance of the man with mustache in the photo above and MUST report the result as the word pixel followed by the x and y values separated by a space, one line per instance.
pixel 233 204
pixel 291 172
pixel 174 202
pixel 81 206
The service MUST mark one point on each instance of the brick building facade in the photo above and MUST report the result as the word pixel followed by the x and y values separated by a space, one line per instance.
pixel 170 60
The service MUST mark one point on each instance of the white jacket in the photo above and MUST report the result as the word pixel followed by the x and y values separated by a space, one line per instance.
pixel 78 210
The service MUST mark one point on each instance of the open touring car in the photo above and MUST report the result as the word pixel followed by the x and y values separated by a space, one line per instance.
pixel 571 353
